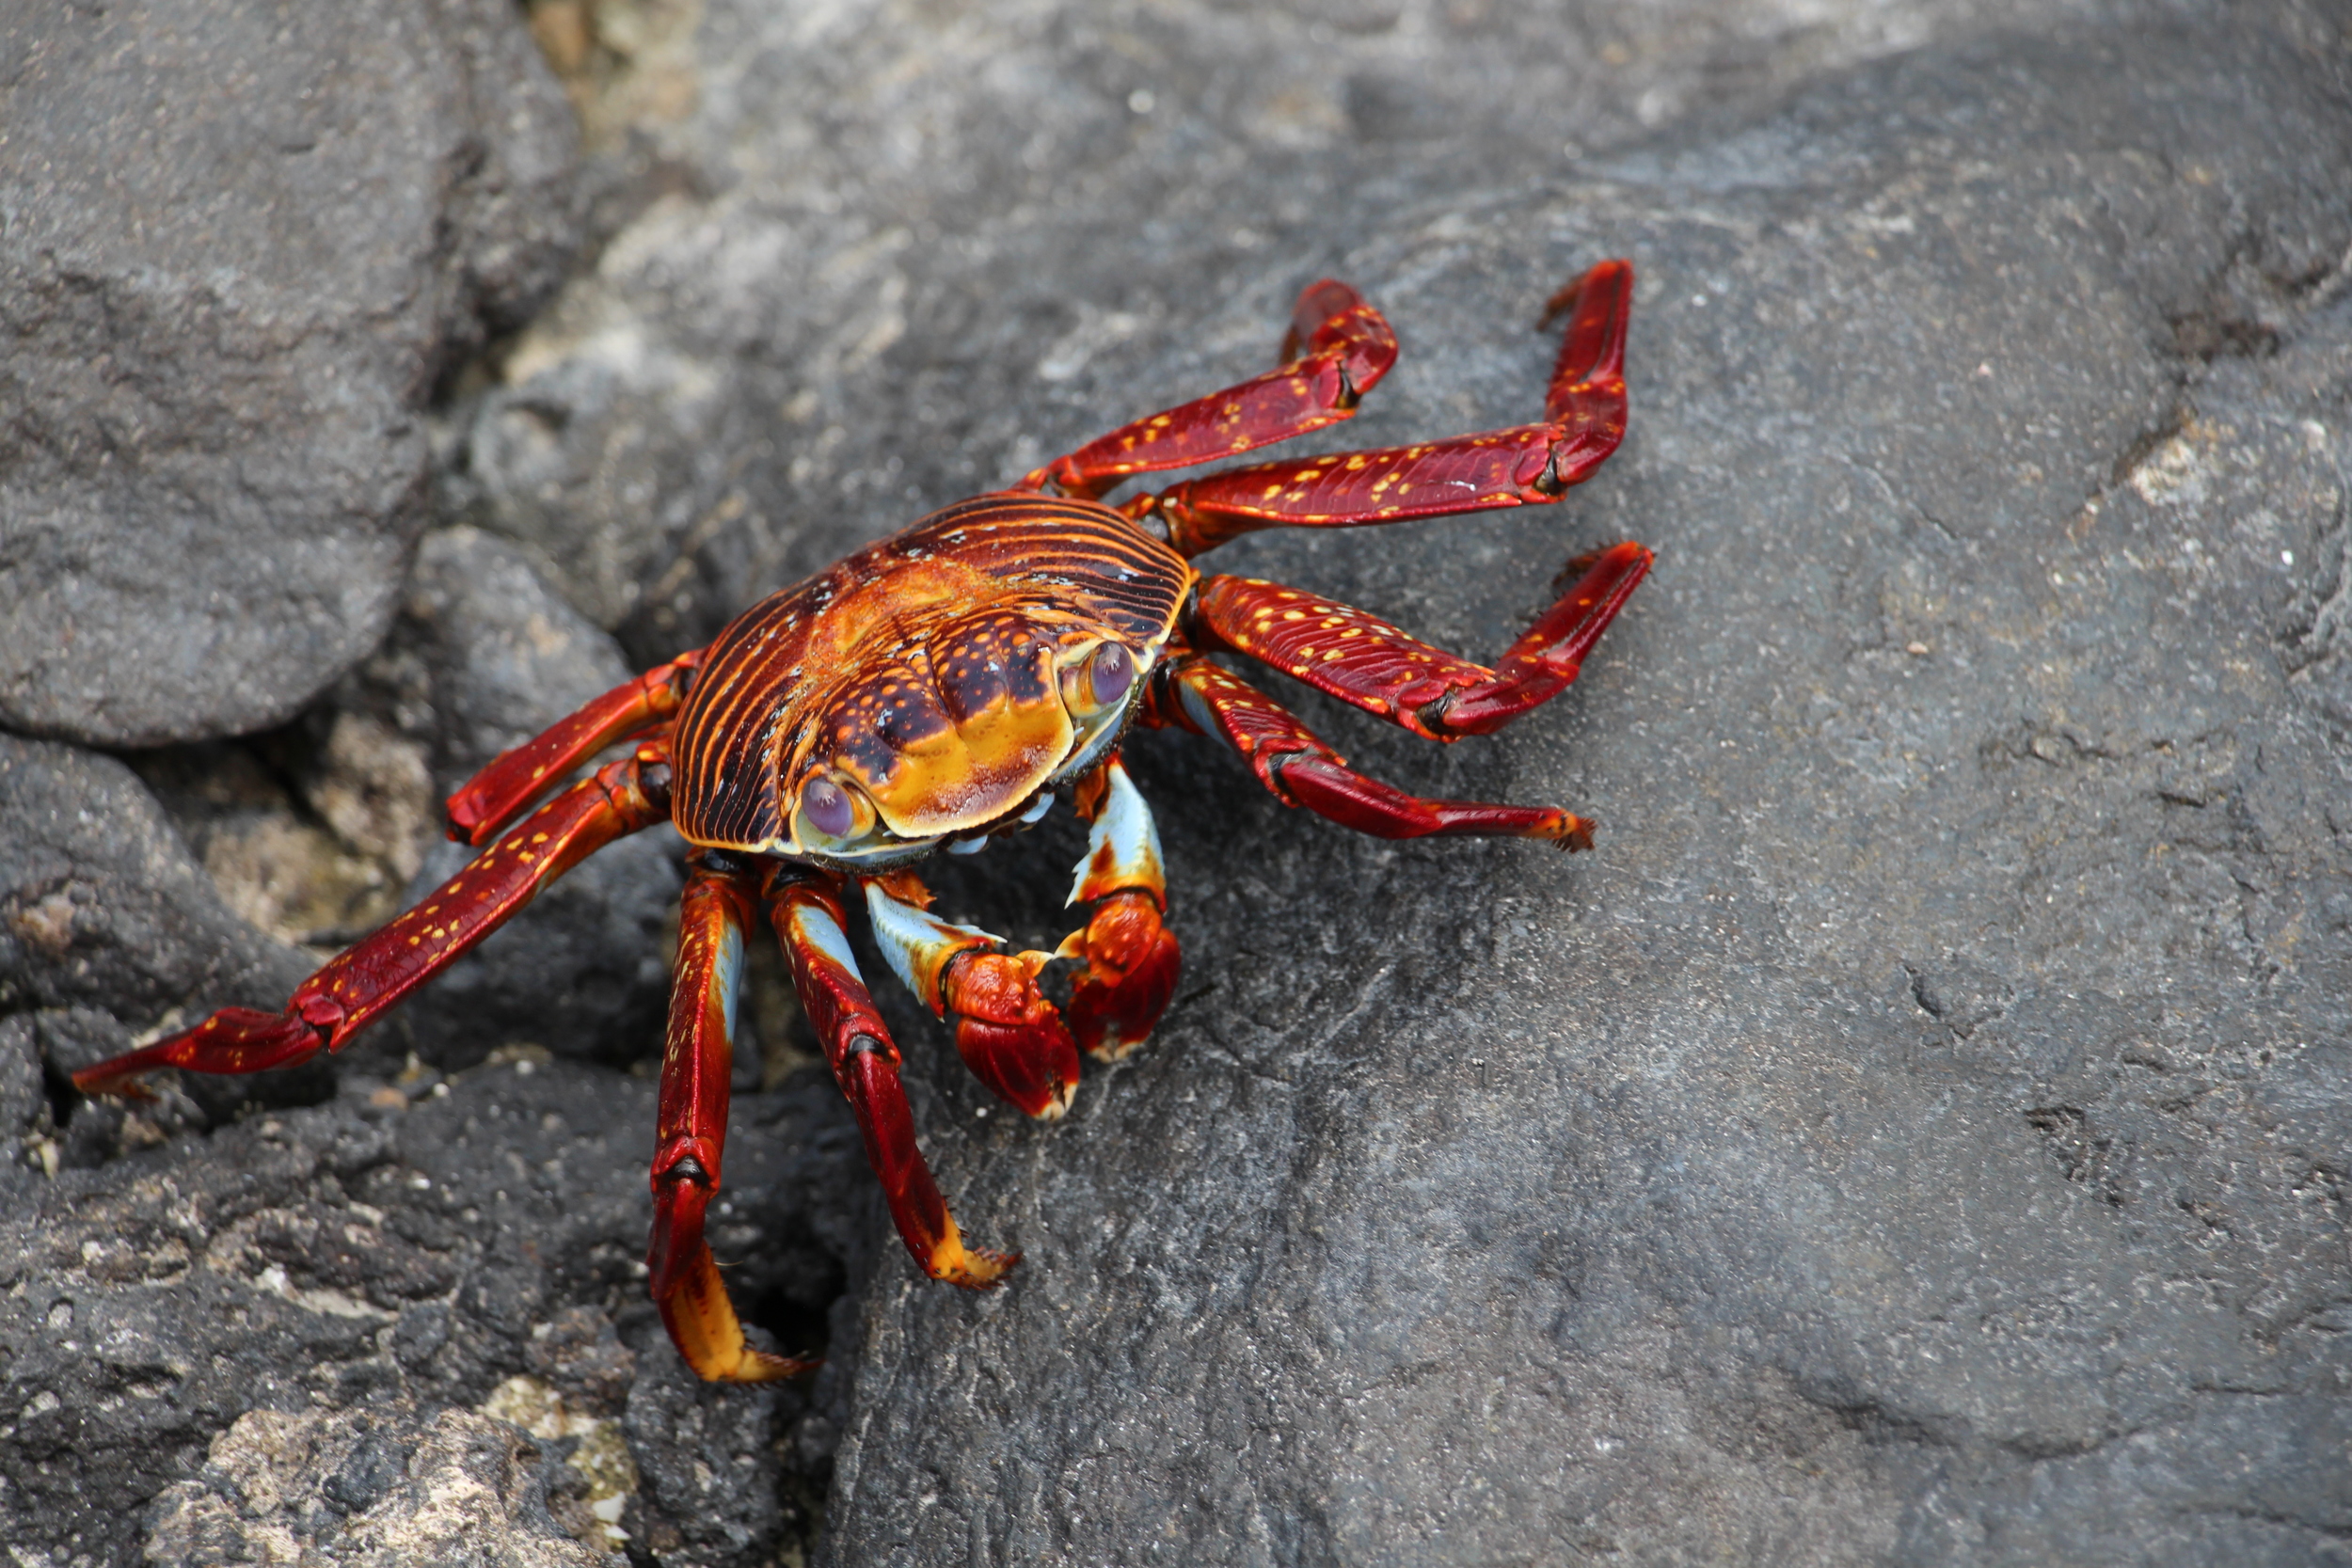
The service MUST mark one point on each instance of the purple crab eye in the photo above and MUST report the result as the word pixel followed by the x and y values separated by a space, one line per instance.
pixel 1110 674
pixel 826 807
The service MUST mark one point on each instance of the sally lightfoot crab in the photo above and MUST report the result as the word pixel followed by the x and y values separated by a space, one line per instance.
pixel 953 681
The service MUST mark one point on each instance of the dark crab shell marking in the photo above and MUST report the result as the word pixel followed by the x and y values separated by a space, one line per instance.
pixel 952 624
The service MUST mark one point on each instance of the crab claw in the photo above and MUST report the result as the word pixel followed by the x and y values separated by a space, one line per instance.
pixel 1011 1037
pixel 1132 964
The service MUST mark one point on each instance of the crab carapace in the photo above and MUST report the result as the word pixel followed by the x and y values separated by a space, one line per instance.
pixel 954 680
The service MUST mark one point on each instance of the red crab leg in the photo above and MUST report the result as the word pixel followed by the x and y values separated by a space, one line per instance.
pixel 353 988
pixel 1527 466
pixel 1347 348
pixel 806 910
pixel 1291 761
pixel 692 1134
pixel 1362 659
pixel 514 778
pixel 1010 1036
pixel 1132 958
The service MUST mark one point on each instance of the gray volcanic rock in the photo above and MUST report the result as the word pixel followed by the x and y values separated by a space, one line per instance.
pixel 1915 1136
pixel 485 656
pixel 890 256
pixel 1919 1133
pixel 460 1488
pixel 107 925
pixel 244 240
pixel 99 906
pixel 290 1332
pixel 322 830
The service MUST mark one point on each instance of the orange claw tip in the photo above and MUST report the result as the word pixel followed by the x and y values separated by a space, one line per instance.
pixel 1114 1046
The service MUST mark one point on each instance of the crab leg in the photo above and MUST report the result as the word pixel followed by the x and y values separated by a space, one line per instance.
pixel 1293 763
pixel 1011 1037
pixel 494 796
pixel 692 1134
pixel 806 910
pixel 1337 348
pixel 353 988
pixel 1360 658
pixel 1526 465
pixel 1132 958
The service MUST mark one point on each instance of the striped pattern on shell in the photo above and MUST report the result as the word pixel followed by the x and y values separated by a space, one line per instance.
pixel 952 624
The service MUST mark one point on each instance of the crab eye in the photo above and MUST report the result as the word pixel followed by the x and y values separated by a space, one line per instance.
pixel 826 807
pixel 1100 681
pixel 1110 673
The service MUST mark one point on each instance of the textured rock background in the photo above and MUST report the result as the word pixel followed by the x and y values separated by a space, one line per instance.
pixel 1917 1135
pixel 243 241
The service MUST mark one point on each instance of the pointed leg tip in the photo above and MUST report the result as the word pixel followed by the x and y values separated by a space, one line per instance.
pixel 978 1268
pixel 1625 555
pixel 1569 833
pixel 759 1366
pixel 1571 294
pixel 97 1082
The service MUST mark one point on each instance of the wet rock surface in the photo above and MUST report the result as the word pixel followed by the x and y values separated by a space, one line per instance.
pixel 243 241
pixel 1917 1136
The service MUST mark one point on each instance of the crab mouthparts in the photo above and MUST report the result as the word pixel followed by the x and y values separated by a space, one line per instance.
pixel 1029 816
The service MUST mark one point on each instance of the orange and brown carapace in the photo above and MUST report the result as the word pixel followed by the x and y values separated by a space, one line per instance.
pixel 955 681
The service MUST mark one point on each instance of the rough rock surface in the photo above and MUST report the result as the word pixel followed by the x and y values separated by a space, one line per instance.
pixel 1917 1136
pixel 107 925
pixel 1918 1133
pixel 319 832
pixel 460 1489
pixel 287 1331
pixel 485 656
pixel 244 240
pixel 888 253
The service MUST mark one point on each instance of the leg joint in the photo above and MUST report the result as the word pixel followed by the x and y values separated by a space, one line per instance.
pixel 686 1160
pixel 863 1045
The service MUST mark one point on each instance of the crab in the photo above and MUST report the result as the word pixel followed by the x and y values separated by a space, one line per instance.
pixel 955 681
